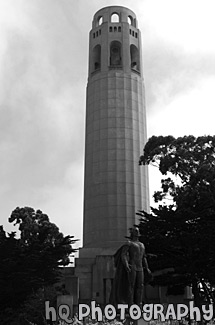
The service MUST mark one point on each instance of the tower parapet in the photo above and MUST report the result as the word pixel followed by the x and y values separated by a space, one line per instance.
pixel 115 41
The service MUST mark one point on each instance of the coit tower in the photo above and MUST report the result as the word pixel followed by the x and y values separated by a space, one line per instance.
pixel 115 185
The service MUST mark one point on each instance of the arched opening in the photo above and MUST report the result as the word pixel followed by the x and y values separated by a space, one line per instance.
pixel 114 18
pixel 100 20
pixel 115 54
pixel 135 58
pixel 130 20
pixel 97 57
pixel 115 29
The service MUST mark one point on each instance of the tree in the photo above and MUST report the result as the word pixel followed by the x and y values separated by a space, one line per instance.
pixel 181 230
pixel 32 311
pixel 30 262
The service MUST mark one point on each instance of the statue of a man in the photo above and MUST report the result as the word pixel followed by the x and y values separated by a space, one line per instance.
pixel 130 260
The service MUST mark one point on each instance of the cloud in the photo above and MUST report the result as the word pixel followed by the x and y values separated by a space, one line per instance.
pixel 189 24
pixel 42 107
pixel 178 47
pixel 44 65
pixel 189 113
pixel 169 72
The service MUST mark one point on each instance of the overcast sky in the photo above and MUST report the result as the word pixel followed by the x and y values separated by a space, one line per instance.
pixel 43 76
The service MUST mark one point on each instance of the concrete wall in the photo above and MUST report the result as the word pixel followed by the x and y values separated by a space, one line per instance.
pixel 115 185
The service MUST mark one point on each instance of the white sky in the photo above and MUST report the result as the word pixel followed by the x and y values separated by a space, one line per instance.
pixel 43 77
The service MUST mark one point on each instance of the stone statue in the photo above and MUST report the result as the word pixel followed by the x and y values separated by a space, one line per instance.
pixel 130 262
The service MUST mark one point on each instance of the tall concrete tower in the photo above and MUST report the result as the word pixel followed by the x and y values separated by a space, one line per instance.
pixel 115 186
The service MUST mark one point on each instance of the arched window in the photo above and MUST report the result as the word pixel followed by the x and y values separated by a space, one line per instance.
pixel 100 20
pixel 130 20
pixel 115 54
pixel 115 29
pixel 114 18
pixel 135 58
pixel 97 57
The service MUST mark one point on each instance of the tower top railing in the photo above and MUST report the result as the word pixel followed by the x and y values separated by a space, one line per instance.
pixel 114 14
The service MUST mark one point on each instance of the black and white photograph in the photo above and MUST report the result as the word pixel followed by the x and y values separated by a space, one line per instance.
pixel 107 155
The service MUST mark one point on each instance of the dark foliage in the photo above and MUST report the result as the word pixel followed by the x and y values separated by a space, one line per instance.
pixel 31 262
pixel 180 232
